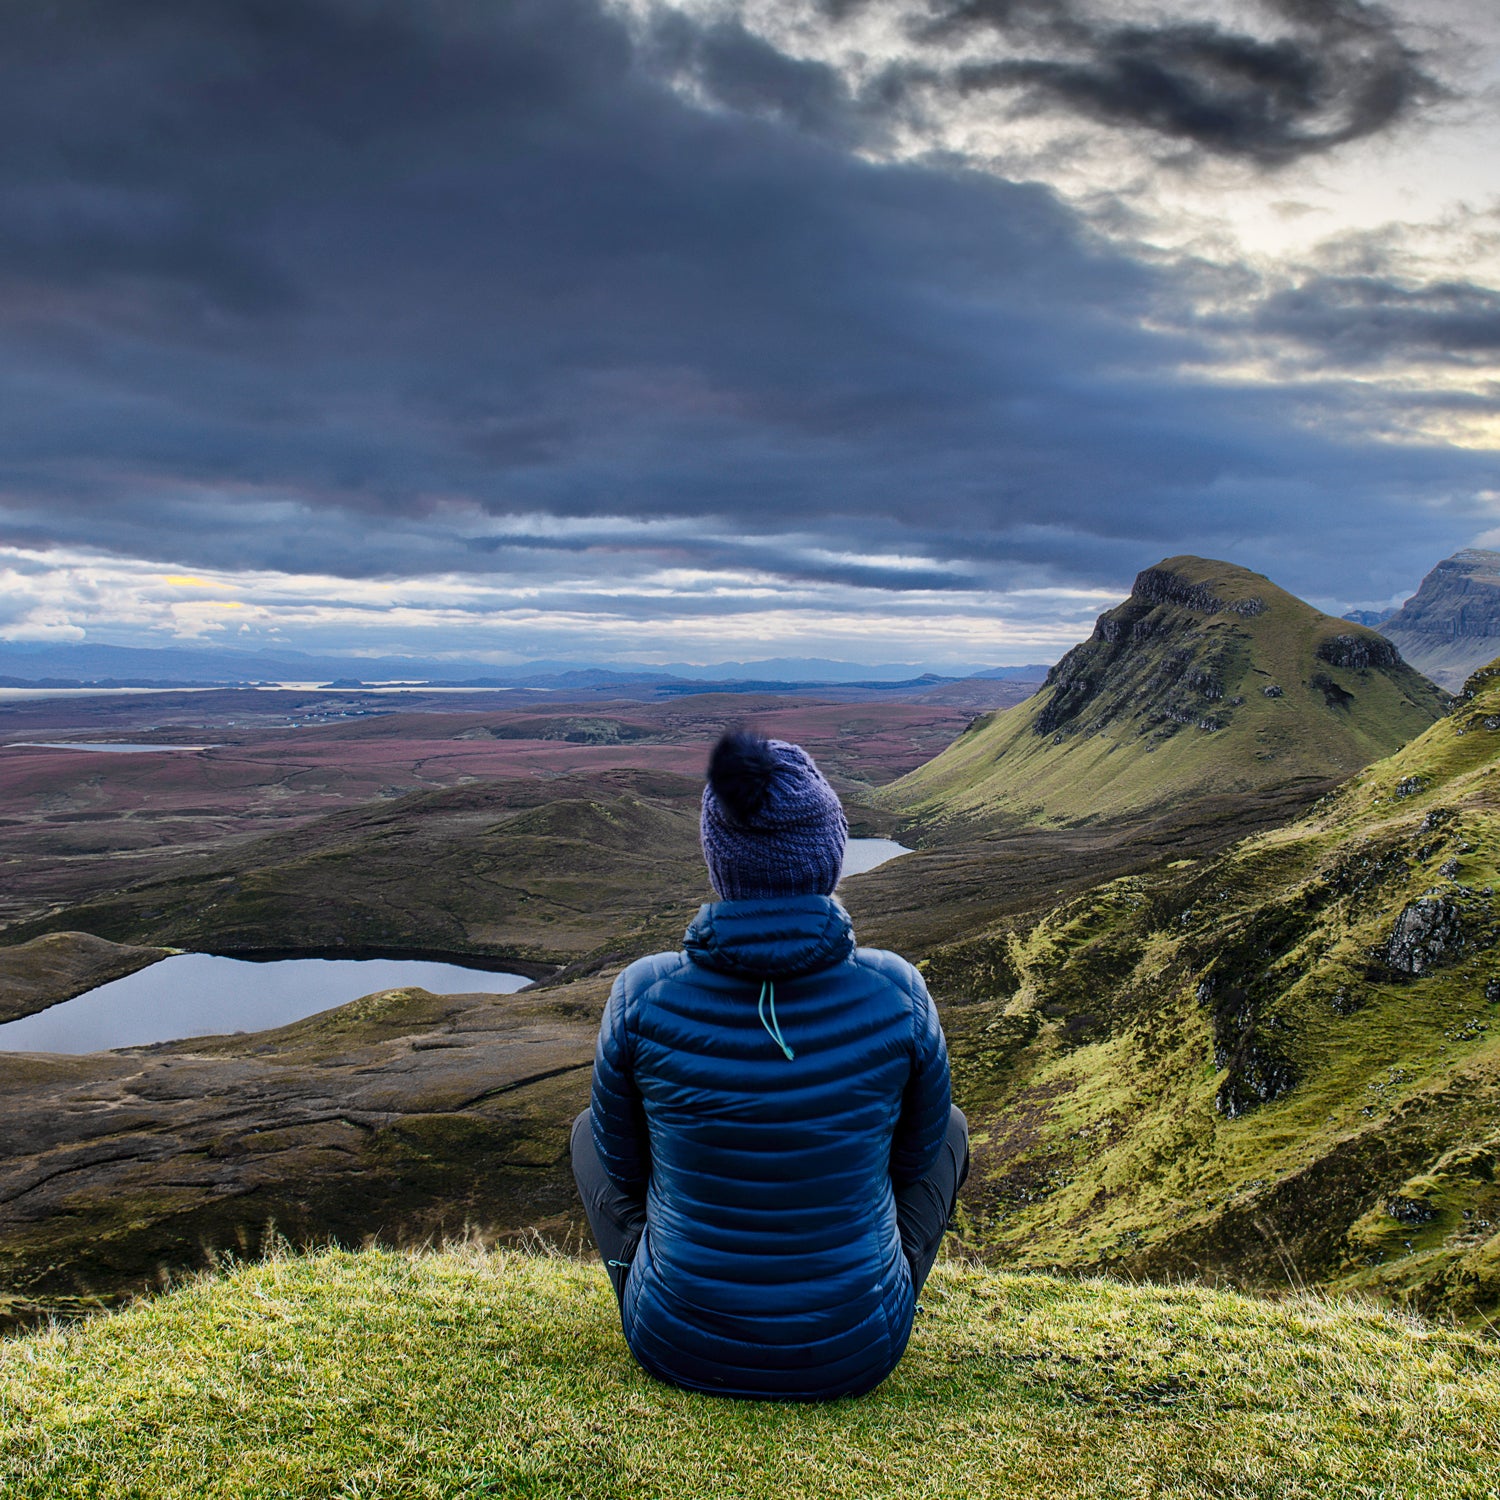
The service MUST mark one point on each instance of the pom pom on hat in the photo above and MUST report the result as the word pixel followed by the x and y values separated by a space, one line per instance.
pixel 740 771
pixel 771 825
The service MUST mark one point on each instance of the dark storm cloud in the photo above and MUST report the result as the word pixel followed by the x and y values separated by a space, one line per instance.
pixel 742 71
pixel 325 285
pixel 1361 320
pixel 1338 72
pixel 149 148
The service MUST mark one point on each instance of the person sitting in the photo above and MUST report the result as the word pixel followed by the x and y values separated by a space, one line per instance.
pixel 771 1155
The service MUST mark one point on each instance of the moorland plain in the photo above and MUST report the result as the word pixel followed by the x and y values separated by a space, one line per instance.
pixel 74 824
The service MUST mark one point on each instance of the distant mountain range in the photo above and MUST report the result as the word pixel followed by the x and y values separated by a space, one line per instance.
pixel 1451 626
pixel 23 663
pixel 1209 680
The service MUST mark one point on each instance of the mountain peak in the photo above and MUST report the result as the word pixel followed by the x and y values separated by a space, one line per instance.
pixel 1207 680
pixel 1203 585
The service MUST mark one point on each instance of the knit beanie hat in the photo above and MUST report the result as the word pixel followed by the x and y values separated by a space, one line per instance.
pixel 771 825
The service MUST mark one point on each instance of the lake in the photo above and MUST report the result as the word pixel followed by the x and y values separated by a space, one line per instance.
pixel 198 994
pixel 863 855
pixel 108 747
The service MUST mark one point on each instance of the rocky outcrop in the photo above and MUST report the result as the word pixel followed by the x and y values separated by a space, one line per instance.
pixel 1459 597
pixel 1428 933
pixel 1358 652
pixel 1257 1075
pixel 1451 625
pixel 1410 1211
pixel 1162 586
pixel 1255 1067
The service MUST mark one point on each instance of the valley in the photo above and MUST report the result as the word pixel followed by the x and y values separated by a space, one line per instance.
pixel 1214 1012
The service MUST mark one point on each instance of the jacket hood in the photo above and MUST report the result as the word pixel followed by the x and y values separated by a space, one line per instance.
pixel 776 938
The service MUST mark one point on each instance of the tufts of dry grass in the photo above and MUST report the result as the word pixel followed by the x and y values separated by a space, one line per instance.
pixel 461 1372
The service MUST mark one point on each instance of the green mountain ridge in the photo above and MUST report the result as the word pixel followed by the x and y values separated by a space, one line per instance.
pixel 1280 1064
pixel 1207 680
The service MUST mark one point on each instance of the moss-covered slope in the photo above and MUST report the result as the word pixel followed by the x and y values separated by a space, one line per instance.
pixel 465 1374
pixel 1208 680
pixel 1280 1064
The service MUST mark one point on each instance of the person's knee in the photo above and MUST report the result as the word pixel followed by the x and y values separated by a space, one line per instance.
pixel 581 1150
pixel 957 1141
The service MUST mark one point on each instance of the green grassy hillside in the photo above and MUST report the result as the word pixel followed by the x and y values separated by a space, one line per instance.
pixel 1208 680
pixel 1281 1064
pixel 466 1374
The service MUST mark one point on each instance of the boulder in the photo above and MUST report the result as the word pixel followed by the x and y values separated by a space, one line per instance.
pixel 1427 934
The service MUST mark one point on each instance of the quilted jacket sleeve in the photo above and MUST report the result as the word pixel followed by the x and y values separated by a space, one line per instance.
pixel 616 1110
pixel 924 1107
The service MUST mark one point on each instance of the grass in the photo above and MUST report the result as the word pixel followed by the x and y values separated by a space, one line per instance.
pixel 462 1372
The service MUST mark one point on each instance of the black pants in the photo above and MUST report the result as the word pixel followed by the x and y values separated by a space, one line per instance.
pixel 923 1208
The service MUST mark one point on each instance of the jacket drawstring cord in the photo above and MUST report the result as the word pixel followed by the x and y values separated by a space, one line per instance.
pixel 773 1028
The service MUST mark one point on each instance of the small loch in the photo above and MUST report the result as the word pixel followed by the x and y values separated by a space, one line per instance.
pixel 199 994
pixel 104 747
pixel 863 855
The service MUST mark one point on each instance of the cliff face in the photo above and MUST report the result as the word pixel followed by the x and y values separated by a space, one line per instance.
pixel 1208 680
pixel 1451 626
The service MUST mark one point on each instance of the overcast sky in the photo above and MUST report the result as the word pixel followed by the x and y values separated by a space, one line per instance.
pixel 733 328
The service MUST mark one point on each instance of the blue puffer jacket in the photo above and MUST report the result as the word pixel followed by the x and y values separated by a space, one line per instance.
pixel 771 1265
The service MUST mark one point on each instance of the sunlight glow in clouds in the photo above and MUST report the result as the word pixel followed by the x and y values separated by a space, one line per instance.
pixel 882 328
pixel 67 597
